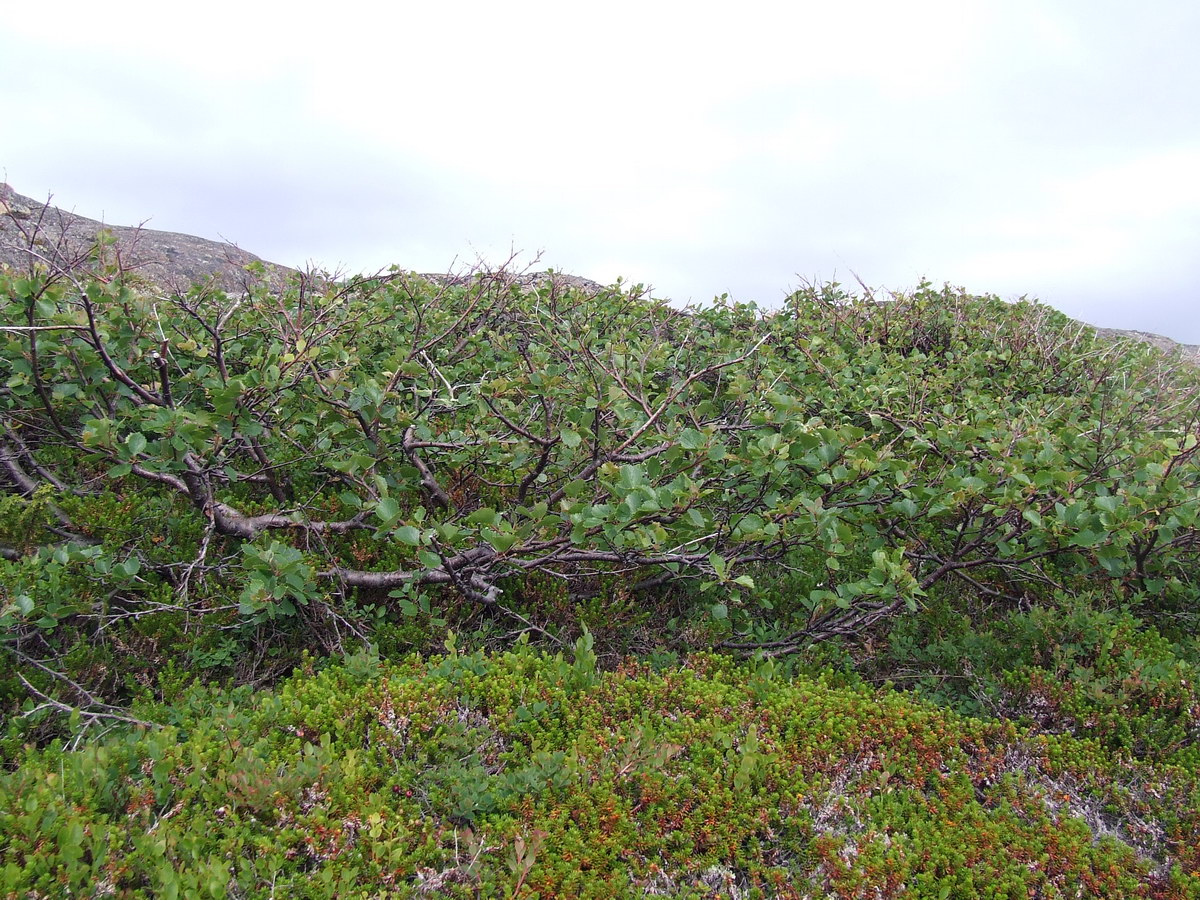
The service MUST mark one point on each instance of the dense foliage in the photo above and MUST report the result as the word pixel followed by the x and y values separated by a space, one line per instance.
pixel 973 499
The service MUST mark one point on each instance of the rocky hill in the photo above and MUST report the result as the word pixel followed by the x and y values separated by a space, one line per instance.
pixel 1190 352
pixel 30 230
pixel 176 260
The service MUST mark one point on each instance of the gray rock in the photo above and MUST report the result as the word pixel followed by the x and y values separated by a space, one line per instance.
pixel 31 232
pixel 1188 352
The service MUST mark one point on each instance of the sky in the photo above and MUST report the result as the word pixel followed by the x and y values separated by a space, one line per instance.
pixel 1039 148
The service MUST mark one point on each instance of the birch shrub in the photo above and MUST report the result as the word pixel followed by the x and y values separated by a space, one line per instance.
pixel 235 478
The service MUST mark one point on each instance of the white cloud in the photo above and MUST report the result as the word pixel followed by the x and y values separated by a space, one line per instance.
pixel 1019 147
pixel 1113 223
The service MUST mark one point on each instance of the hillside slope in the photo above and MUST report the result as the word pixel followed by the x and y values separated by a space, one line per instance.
pixel 164 257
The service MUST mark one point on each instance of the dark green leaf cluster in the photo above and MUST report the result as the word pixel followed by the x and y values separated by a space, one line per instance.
pixel 396 434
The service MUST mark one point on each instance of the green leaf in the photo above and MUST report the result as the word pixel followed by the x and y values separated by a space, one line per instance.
pixel 136 443
pixel 500 541
pixel 387 509
pixel 1087 538
pixel 407 534
pixel 483 516
pixel 631 477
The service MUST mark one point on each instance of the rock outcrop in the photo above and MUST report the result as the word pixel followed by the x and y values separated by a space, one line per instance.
pixel 174 261
pixel 1189 352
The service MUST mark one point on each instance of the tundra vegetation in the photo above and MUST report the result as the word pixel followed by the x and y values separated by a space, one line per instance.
pixel 490 587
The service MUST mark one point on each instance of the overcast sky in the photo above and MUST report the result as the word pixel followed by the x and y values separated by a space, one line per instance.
pixel 1048 148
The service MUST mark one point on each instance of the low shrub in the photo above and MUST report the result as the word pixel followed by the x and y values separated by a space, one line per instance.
pixel 525 774
pixel 1074 669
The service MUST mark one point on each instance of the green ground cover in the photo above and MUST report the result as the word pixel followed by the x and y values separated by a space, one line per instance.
pixel 483 587
pixel 521 773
